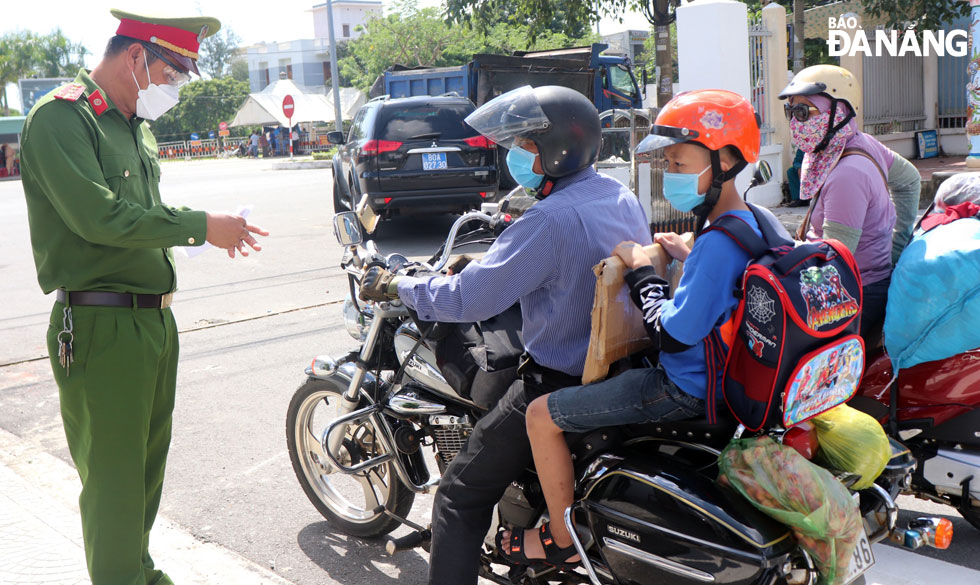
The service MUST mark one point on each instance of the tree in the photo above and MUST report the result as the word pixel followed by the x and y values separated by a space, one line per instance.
pixel 15 62
pixel 54 55
pixel 218 52
pixel 488 13
pixel 28 54
pixel 239 69
pixel 204 103
pixel 925 14
pixel 422 38
pixel 540 14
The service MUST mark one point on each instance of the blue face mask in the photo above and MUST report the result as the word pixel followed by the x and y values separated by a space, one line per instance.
pixel 520 163
pixel 681 190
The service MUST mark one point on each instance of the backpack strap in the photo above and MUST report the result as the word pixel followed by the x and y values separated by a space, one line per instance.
pixel 741 233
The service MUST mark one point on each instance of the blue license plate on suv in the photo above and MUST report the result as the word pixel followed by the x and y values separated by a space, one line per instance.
pixel 434 161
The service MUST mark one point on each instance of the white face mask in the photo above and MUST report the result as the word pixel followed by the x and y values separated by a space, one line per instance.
pixel 155 100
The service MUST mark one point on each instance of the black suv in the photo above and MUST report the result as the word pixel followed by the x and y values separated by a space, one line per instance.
pixel 412 154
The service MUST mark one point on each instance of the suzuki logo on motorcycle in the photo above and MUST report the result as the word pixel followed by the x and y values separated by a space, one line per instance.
pixel 622 532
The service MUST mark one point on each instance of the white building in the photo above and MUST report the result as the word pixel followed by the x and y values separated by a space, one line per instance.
pixel 629 42
pixel 307 61
pixel 347 15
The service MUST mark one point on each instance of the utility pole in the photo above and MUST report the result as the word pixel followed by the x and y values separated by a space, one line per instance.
pixel 334 77
pixel 798 35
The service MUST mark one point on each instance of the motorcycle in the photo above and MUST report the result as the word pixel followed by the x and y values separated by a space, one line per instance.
pixel 933 409
pixel 648 508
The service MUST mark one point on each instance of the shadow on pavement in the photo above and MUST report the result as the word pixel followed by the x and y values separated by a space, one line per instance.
pixel 347 559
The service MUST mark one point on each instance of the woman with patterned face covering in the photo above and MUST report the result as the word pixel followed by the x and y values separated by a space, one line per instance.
pixel 845 176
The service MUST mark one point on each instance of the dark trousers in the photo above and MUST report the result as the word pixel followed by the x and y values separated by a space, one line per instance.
pixel 873 312
pixel 497 453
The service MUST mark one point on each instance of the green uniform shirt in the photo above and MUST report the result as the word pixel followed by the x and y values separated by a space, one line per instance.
pixel 92 182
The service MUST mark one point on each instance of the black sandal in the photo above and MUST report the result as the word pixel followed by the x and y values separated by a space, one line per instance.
pixel 554 555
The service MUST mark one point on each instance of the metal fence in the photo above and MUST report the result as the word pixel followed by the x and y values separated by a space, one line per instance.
pixel 226 147
pixel 952 83
pixel 894 98
pixel 759 37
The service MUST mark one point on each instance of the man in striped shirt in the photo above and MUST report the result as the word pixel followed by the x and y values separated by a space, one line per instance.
pixel 544 261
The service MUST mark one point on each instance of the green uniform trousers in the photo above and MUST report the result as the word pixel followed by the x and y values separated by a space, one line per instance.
pixel 117 402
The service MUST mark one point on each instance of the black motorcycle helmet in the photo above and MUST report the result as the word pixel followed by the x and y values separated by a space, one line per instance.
pixel 561 122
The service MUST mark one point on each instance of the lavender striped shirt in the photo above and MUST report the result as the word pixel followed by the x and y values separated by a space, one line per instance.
pixel 545 261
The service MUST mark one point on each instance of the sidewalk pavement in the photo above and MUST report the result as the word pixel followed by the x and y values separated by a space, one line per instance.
pixel 928 166
pixel 41 534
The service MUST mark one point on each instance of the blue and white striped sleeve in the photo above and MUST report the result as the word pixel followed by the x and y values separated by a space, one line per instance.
pixel 520 261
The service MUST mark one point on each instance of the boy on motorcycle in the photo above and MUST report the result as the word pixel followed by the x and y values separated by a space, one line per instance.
pixel 544 260
pixel 708 136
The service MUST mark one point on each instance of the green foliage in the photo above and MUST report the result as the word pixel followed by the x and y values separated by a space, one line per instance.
pixel 325 154
pixel 28 54
pixel 417 37
pixel 219 52
pixel 925 14
pixel 540 16
pixel 239 69
pixel 203 104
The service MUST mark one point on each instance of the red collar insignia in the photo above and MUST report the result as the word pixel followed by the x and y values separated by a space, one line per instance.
pixel 70 92
pixel 98 102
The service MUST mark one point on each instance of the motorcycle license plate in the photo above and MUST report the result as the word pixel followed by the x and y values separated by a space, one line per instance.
pixel 434 161
pixel 861 560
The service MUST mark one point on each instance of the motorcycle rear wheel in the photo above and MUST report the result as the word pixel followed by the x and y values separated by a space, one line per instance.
pixel 348 502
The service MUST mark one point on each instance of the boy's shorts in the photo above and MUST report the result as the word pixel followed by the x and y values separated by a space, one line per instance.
pixel 635 396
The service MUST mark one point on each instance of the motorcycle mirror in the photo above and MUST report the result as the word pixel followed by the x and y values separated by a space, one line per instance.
pixel 763 173
pixel 761 176
pixel 347 229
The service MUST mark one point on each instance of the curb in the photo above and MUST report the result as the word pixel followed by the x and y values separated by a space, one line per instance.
pixel 53 488
pixel 305 164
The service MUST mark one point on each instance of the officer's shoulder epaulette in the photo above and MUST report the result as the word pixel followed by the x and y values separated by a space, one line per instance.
pixel 70 92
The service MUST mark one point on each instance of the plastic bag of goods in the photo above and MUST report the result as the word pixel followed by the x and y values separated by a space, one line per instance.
pixel 816 507
pixel 852 441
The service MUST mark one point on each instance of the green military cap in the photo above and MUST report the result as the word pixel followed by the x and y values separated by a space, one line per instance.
pixel 180 37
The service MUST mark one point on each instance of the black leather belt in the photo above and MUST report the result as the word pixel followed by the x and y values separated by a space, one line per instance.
pixel 100 298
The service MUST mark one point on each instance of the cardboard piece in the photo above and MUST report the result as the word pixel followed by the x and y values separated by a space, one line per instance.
pixel 617 324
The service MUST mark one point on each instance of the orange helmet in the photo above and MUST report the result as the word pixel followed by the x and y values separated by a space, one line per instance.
pixel 714 118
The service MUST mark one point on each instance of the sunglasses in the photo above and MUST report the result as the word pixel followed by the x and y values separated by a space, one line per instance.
pixel 799 111
pixel 176 76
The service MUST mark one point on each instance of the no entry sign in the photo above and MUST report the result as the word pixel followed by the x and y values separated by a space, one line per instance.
pixel 288 106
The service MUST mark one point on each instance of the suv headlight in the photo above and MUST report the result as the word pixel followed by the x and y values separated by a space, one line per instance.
pixel 357 323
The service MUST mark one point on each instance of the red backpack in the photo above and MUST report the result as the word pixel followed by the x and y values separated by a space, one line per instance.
pixel 793 346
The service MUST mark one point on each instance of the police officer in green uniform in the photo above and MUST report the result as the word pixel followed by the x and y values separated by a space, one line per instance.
pixel 101 239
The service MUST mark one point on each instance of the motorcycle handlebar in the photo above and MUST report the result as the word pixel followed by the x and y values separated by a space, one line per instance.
pixel 367 254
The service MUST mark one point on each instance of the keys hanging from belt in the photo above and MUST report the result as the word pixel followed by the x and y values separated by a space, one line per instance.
pixel 65 354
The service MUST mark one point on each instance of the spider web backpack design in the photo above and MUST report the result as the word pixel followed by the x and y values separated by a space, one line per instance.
pixel 793 346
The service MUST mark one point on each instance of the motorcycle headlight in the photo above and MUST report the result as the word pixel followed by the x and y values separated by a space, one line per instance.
pixel 357 323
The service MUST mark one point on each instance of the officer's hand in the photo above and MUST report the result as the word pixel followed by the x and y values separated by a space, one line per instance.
pixel 375 285
pixel 632 255
pixel 673 244
pixel 232 232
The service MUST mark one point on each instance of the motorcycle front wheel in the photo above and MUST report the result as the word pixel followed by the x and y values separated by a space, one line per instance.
pixel 348 502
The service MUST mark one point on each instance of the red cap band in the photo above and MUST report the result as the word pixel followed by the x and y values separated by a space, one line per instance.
pixel 144 32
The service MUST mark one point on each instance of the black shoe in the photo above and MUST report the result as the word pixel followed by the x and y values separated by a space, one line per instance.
pixel 798 203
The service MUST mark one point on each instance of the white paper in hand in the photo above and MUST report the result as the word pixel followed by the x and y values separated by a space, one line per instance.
pixel 192 251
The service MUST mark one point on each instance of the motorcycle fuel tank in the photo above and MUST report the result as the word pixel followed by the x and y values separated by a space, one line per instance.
pixel 659 519
pixel 421 366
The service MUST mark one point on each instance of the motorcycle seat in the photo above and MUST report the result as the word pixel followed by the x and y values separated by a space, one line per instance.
pixel 697 430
